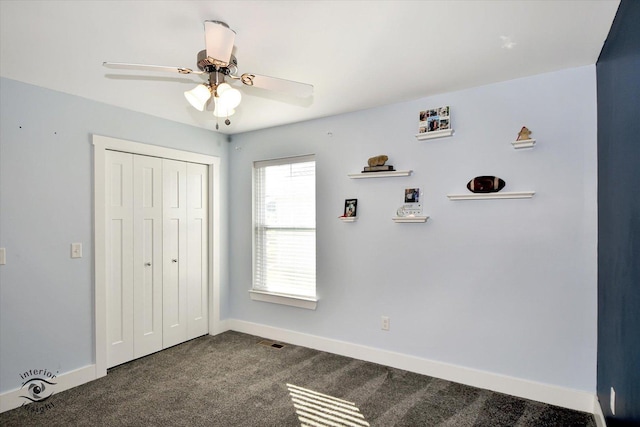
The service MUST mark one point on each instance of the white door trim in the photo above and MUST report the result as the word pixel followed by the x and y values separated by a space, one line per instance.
pixel 101 145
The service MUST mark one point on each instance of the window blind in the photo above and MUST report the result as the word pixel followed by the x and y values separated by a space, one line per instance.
pixel 285 226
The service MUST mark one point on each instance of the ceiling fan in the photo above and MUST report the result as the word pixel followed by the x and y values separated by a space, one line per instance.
pixel 218 63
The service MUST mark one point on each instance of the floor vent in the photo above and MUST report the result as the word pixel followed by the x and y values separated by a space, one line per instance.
pixel 268 343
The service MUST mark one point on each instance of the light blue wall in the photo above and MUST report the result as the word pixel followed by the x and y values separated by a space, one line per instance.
pixel 504 286
pixel 46 203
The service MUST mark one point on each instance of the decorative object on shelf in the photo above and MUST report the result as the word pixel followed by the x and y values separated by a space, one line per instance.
pixel 435 123
pixel 378 160
pixel 412 195
pixel 350 208
pixel 524 134
pixel 524 139
pixel 485 184
pixel 434 120
pixel 412 206
pixel 377 164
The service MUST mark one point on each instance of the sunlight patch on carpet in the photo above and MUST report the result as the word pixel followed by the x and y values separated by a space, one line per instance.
pixel 316 409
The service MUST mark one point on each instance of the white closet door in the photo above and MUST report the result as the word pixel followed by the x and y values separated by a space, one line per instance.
pixel 157 248
pixel 119 200
pixel 174 295
pixel 197 250
pixel 147 258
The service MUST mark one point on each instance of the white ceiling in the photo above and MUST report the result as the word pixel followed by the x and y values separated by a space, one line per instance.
pixel 357 54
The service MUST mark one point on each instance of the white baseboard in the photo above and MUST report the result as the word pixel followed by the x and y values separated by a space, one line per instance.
pixel 11 399
pixel 598 414
pixel 560 396
pixel 546 393
pixel 220 327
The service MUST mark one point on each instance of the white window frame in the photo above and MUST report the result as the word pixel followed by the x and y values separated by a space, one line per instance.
pixel 268 296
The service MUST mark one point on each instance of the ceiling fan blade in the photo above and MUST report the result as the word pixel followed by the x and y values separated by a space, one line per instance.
pixel 143 67
pixel 218 40
pixel 302 90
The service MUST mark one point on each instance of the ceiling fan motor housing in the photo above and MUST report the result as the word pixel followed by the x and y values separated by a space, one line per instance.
pixel 208 66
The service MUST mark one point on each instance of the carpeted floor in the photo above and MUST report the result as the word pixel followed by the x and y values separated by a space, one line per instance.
pixel 231 380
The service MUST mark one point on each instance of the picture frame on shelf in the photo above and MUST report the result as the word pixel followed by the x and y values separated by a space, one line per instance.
pixel 435 120
pixel 412 205
pixel 411 195
pixel 350 208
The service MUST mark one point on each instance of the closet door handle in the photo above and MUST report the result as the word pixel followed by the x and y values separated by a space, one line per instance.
pixel 174 260
pixel 148 264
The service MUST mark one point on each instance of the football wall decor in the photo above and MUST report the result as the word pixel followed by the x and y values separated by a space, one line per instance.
pixel 485 184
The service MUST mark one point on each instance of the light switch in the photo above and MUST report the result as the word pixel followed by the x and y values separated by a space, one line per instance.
pixel 3 256
pixel 76 250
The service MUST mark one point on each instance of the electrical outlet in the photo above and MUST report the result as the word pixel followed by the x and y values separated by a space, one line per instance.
pixel 385 323
pixel 612 401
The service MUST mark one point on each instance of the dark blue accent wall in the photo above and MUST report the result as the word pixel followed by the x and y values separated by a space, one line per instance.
pixel 618 77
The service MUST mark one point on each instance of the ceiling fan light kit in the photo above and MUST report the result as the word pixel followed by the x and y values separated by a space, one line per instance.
pixel 228 97
pixel 217 61
pixel 198 96
pixel 222 110
pixel 225 97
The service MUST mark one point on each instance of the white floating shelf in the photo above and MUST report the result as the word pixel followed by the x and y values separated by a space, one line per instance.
pixel 348 218
pixel 379 174
pixel 435 134
pixel 410 218
pixel 486 196
pixel 524 143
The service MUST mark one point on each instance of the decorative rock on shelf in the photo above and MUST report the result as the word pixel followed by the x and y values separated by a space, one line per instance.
pixel 378 160
pixel 485 184
pixel 377 164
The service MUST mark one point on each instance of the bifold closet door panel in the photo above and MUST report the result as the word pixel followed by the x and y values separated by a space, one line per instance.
pixel 197 250
pixel 147 258
pixel 158 253
pixel 174 295
pixel 119 251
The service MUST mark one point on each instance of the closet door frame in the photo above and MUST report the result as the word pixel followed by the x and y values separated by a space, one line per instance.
pixel 101 145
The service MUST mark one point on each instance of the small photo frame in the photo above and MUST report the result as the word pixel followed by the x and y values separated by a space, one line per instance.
pixel 412 195
pixel 350 207
pixel 434 119
pixel 412 205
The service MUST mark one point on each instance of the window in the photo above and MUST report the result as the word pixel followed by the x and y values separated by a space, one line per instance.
pixel 284 240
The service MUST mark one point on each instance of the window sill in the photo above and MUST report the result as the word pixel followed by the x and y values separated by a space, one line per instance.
pixel 292 300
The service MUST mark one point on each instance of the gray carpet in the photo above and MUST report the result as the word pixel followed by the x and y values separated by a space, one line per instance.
pixel 231 380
